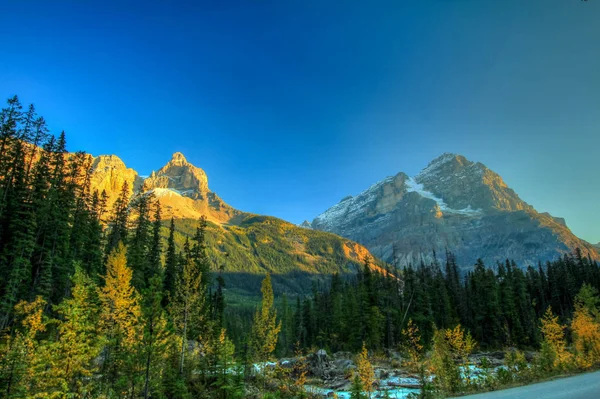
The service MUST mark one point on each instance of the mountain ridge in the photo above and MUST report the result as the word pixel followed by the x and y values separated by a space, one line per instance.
pixel 451 204
pixel 246 245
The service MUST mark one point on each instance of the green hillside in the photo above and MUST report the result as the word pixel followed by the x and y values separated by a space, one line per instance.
pixel 296 257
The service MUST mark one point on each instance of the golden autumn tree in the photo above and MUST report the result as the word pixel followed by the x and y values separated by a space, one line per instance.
pixel 412 346
pixel 121 324
pixel 585 327
pixel 447 374
pixel 461 342
pixel 22 359
pixel 554 344
pixel 365 370
pixel 462 345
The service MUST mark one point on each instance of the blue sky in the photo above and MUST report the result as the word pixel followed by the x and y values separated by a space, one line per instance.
pixel 291 105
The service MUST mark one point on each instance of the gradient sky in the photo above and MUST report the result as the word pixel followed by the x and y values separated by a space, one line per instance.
pixel 291 105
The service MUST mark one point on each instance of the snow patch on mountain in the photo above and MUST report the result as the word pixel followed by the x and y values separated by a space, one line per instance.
pixel 163 192
pixel 350 205
pixel 413 186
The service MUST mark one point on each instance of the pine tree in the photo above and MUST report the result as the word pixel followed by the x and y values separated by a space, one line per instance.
pixel 224 356
pixel 356 390
pixel 186 305
pixel 79 341
pixel 412 346
pixel 119 221
pixel 171 265
pixel 155 253
pixel 265 329
pixel 139 243
pixel 157 340
pixel 447 375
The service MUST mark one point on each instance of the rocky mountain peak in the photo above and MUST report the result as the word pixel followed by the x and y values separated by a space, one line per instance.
pixel 306 224
pixel 461 184
pixel 179 175
pixel 453 204
pixel 179 186
pixel 178 159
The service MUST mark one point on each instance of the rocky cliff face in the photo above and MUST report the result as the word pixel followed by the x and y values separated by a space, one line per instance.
pixel 452 204
pixel 109 174
pixel 180 187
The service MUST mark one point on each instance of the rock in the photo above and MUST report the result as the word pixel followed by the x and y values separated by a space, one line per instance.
pixel 343 364
pixel 382 374
pixel 343 355
pixel 287 363
pixel 109 174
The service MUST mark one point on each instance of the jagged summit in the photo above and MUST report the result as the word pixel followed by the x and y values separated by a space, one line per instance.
pixel 178 159
pixel 446 161
pixel 455 204
pixel 461 183
pixel 180 175
pixel 181 187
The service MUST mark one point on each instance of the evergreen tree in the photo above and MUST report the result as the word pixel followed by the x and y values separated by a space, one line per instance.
pixel 119 221
pixel 139 243
pixel 265 329
pixel 157 340
pixel 186 305
pixel 79 342
pixel 171 264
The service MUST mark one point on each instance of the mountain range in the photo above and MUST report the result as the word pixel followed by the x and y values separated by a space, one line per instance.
pixel 243 245
pixel 454 205
pixel 451 205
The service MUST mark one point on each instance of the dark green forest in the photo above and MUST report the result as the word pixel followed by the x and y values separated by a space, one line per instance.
pixel 500 306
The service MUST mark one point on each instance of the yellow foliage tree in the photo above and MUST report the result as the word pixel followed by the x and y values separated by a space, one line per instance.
pixel 554 340
pixel 447 374
pixel 461 343
pixel 586 336
pixel 120 321
pixel 412 346
pixel 22 358
pixel 365 370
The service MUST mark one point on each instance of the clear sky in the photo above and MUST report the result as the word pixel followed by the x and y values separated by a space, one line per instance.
pixel 291 105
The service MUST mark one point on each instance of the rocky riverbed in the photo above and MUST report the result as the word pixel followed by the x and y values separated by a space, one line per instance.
pixel 329 374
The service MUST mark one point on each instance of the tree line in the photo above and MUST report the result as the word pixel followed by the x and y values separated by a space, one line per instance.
pixel 500 306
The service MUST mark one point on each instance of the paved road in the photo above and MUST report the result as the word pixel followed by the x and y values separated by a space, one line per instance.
pixel 584 386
